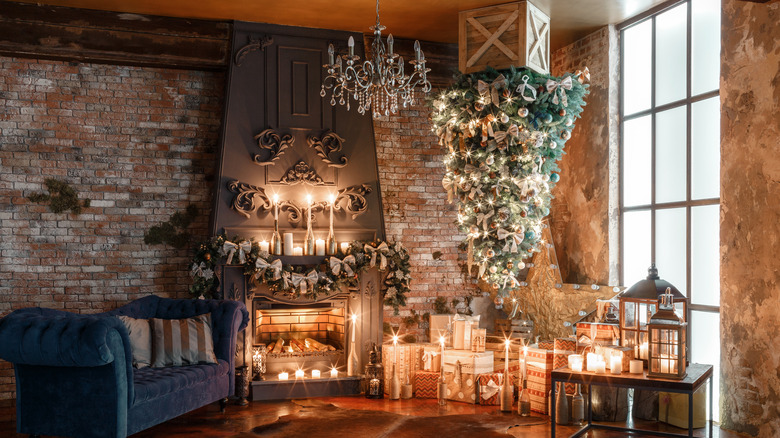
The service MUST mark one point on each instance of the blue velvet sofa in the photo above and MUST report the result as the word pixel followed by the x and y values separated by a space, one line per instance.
pixel 74 373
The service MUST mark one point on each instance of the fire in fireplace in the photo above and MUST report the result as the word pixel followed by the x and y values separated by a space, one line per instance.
pixel 298 336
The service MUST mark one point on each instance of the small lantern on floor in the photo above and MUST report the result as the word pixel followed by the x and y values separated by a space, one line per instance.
pixel 259 362
pixel 375 375
pixel 667 341
pixel 638 303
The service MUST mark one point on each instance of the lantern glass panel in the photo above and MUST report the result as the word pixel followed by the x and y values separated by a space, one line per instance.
pixel 629 315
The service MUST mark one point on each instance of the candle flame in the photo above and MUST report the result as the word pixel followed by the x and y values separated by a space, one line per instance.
pixel 276 198
pixel 308 199
pixel 525 349
pixel 332 198
pixel 395 339
pixel 507 342
pixel 354 318
pixel 441 340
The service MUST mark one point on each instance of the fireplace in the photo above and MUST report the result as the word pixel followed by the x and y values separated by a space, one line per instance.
pixel 308 336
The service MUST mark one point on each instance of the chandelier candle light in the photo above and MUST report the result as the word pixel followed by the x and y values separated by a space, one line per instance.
pixel 376 84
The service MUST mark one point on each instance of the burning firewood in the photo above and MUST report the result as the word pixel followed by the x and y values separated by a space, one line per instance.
pixel 315 346
pixel 297 345
pixel 278 346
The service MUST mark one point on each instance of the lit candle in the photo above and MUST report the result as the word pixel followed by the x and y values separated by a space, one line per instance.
pixel 643 351
pixel 288 244
pixel 616 362
pixel 315 374
pixel 319 246
pixel 354 320
pixel 601 367
pixel 506 358
pixel 344 247
pixel 395 349
pixel 525 361
pixel 299 374
pixel 635 366
pixel 593 359
pixel 264 246
pixel 575 362
pixel 297 251
pixel 284 376
pixel 334 372
pixel 276 207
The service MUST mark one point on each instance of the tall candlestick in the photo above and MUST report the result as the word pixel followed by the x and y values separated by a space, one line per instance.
pixel 506 393
pixel 353 360
pixel 276 239
pixel 309 241
pixel 395 383
pixel 331 240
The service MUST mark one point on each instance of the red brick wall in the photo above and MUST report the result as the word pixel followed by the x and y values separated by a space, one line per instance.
pixel 138 142
pixel 416 211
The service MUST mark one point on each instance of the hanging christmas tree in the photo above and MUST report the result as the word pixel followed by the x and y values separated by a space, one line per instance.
pixel 504 133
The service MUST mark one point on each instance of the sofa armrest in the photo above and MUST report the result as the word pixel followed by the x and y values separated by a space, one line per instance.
pixel 228 318
pixel 38 337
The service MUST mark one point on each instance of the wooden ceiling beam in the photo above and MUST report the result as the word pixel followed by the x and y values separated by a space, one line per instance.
pixel 84 35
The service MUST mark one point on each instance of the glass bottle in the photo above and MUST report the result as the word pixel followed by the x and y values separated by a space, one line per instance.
pixel 524 401
pixel 577 407
pixel 441 392
pixel 506 394
pixel 276 239
pixel 395 385
pixel 561 405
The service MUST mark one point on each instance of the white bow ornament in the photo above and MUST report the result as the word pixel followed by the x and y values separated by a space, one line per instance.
pixel 337 265
pixel 562 86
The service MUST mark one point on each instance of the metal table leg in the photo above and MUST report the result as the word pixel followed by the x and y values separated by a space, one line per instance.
pixel 552 410
pixel 690 414
pixel 712 414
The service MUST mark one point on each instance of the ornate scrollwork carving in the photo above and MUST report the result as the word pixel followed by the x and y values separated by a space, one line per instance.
pixel 329 143
pixel 301 173
pixel 354 198
pixel 296 213
pixel 273 142
pixel 248 198
pixel 259 43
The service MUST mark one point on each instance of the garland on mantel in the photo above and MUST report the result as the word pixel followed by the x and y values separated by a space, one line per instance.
pixel 503 133
pixel 298 280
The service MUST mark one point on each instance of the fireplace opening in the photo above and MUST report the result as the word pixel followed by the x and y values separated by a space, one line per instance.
pixel 301 336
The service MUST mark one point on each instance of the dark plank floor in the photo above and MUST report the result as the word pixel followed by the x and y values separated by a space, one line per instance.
pixel 248 421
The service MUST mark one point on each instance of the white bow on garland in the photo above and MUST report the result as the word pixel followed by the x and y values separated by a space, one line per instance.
pixel 380 250
pixel 337 265
pixel 303 282
pixel 262 265
pixel 489 92
pixel 243 249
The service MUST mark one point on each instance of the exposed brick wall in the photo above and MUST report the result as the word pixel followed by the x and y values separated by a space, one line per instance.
pixel 416 212
pixel 138 142
pixel 580 216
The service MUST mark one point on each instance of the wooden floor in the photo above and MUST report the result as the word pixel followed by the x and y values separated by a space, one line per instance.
pixel 245 421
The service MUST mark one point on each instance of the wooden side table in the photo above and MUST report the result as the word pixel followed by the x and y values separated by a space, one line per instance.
pixel 697 375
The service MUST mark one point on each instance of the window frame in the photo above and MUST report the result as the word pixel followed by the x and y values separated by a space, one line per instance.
pixel 653 111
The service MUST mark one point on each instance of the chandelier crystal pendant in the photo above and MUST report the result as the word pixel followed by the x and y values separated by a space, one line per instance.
pixel 378 84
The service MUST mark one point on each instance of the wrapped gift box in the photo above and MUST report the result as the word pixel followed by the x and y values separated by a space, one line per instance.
pixel 470 362
pixel 546 345
pixel 488 387
pixel 441 325
pixel 410 360
pixel 461 387
pixel 461 331
pixel 628 355
pixel 426 384
pixel 431 358
pixel 601 332
pixel 673 408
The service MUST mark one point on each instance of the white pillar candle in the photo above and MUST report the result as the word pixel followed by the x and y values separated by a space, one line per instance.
pixel 319 246
pixel 297 251
pixel 284 376
pixel 315 374
pixel 299 374
pixel 601 367
pixel 264 246
pixel 616 363
pixel 334 372
pixel 635 366
pixel 643 351
pixel 288 244
pixel 344 247
pixel 575 362
pixel 593 359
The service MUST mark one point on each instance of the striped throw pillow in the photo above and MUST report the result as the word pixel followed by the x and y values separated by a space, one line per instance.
pixel 177 342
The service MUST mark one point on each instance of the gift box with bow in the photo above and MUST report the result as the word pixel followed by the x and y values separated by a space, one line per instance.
pixel 488 386
pixel 426 384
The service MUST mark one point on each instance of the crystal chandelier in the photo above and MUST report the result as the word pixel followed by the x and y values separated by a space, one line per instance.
pixel 378 84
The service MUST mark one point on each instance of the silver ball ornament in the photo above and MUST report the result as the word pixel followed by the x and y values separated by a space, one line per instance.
pixel 522 112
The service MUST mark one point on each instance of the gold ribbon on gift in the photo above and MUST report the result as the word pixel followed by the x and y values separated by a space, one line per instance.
pixel 524 86
pixel 489 92
pixel 562 86
pixel 380 250
pixel 489 390
pixel 261 265
pixel 337 265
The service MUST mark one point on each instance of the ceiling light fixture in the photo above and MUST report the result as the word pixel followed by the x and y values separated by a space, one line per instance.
pixel 376 85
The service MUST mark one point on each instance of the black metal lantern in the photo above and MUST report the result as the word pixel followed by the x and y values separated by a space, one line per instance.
pixel 638 303
pixel 667 340
pixel 375 375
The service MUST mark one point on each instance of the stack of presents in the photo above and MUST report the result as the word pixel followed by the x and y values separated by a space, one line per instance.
pixel 474 364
